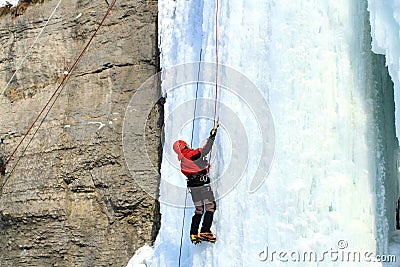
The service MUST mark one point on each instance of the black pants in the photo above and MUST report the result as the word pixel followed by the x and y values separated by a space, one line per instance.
pixel 202 196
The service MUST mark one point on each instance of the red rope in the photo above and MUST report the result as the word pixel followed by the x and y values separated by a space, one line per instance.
pixel 216 67
pixel 58 87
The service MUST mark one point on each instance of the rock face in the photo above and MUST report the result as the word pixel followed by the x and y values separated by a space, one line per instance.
pixel 67 198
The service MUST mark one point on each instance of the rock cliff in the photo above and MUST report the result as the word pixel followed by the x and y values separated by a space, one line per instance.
pixel 68 198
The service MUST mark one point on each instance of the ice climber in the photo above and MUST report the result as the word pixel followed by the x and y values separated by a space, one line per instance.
pixel 195 166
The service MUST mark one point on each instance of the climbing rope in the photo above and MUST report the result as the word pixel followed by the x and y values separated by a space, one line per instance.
pixel 195 102
pixel 60 86
pixel 191 145
pixel 30 49
pixel 31 139
pixel 216 63
pixel 194 113
pixel 183 226
pixel 216 68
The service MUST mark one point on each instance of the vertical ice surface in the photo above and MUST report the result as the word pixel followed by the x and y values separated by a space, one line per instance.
pixel 385 32
pixel 312 63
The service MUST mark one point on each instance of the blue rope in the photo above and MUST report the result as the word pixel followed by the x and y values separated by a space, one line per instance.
pixel 191 145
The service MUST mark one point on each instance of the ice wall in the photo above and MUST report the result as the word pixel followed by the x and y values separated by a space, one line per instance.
pixel 385 32
pixel 327 189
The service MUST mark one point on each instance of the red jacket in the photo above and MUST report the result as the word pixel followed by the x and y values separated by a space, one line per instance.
pixel 193 161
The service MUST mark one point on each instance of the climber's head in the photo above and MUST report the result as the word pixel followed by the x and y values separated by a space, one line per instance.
pixel 179 146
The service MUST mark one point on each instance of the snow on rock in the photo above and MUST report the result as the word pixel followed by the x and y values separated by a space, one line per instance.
pixel 142 257
pixel 101 124
pixel 12 2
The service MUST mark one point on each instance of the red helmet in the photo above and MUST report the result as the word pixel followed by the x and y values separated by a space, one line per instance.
pixel 179 146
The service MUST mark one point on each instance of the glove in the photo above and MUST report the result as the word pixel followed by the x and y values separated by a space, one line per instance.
pixel 213 132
